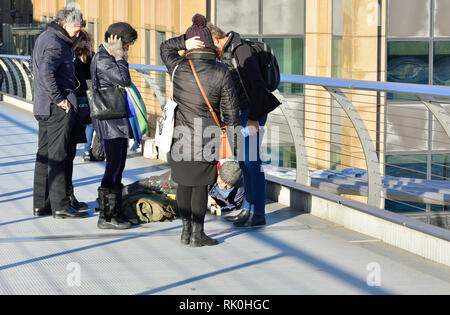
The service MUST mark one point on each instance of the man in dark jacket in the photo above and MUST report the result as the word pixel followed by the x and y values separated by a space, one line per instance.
pixel 54 82
pixel 255 103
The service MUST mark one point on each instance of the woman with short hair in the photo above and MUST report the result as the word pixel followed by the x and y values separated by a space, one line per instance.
pixel 112 70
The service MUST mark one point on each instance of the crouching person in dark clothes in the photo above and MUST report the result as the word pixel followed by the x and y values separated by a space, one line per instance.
pixel 228 193
pixel 54 81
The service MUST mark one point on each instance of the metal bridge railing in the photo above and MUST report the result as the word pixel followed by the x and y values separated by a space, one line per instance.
pixel 385 144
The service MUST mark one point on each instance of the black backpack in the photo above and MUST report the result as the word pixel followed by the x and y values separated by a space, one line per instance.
pixel 268 64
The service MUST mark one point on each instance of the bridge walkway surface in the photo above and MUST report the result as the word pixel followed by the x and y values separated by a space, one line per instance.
pixel 295 253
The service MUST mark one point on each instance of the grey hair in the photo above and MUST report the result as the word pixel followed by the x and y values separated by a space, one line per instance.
pixel 216 32
pixel 70 15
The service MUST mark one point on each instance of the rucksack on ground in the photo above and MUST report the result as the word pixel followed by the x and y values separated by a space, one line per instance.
pixel 149 207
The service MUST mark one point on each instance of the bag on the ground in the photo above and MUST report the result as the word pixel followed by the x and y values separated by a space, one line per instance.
pixel 166 123
pixel 161 183
pixel 149 207
pixel 97 151
pixel 268 63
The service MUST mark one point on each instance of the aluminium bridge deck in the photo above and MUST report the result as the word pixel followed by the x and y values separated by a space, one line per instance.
pixel 295 253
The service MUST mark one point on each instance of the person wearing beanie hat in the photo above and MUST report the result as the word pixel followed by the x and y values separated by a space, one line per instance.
pixel 228 193
pixel 193 159
pixel 199 29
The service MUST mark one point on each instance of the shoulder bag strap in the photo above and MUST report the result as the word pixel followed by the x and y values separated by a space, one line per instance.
pixel 173 76
pixel 204 94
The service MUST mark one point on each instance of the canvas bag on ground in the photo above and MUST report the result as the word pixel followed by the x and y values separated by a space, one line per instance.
pixel 166 122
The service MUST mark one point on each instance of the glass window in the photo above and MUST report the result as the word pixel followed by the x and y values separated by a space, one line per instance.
pixel 283 17
pixel 440 170
pixel 441 14
pixel 161 76
pixel 409 166
pixel 338 17
pixel 440 167
pixel 440 140
pixel 441 63
pixel 337 62
pixel 406 127
pixel 240 16
pixel 91 28
pixel 147 47
pixel 289 53
pixel 408 62
pixel 409 18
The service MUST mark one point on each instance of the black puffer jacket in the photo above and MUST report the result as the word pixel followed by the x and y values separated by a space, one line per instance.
pixel 192 108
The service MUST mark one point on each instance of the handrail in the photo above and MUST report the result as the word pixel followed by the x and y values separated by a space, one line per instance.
pixel 389 87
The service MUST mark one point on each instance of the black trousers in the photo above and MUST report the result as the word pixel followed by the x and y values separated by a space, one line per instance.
pixel 192 202
pixel 71 153
pixel 116 156
pixel 50 185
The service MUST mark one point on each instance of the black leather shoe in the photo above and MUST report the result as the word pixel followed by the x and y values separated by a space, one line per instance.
pixel 252 220
pixel 240 217
pixel 69 214
pixel 39 212
pixel 74 203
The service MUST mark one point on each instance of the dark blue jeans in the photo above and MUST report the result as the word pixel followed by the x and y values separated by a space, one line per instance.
pixel 89 134
pixel 116 156
pixel 250 163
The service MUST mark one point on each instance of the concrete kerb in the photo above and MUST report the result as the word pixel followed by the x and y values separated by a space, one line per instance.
pixel 414 236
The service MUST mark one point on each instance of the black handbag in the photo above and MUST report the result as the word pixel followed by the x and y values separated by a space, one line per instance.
pixel 106 103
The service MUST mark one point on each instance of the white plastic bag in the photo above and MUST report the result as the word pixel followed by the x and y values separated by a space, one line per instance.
pixel 166 122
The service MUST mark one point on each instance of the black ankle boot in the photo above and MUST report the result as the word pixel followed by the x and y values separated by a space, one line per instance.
pixel 186 232
pixel 74 203
pixel 199 238
pixel 108 208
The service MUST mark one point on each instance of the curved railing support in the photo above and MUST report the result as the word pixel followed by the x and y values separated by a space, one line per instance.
pixel 375 184
pixel 301 156
pixel 16 75
pixel 28 90
pixel 8 77
pixel 438 111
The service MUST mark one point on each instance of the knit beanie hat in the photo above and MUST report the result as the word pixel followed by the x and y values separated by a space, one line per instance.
pixel 199 28
pixel 230 172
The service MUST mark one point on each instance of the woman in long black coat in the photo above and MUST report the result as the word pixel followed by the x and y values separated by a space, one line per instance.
pixel 112 70
pixel 194 165
pixel 82 62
